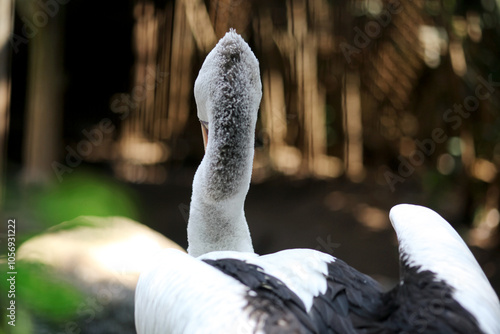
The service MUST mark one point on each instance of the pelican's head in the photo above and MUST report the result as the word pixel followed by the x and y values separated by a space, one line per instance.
pixel 229 75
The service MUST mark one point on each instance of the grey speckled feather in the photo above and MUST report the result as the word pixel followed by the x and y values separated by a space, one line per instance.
pixel 231 129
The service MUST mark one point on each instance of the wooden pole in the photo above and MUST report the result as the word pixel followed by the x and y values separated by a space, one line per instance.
pixel 353 129
pixel 44 102
pixel 6 27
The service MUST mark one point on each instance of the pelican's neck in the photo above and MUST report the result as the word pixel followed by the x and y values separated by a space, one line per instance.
pixel 217 220
pixel 228 93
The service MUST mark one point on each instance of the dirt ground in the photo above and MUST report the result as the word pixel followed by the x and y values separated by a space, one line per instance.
pixel 348 220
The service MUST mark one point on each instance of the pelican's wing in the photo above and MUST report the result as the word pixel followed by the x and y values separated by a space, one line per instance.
pixel 433 254
pixel 351 302
pixel 337 297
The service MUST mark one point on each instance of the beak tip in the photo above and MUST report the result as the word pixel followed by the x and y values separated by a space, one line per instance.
pixel 204 131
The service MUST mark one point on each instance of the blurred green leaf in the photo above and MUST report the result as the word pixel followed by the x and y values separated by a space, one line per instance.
pixel 25 326
pixel 84 194
pixel 43 294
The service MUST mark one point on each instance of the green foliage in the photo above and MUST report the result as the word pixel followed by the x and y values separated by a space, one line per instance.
pixel 83 194
pixel 39 293
pixel 24 326
pixel 44 294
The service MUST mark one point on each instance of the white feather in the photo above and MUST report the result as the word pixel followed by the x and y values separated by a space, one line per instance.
pixel 181 294
pixel 431 243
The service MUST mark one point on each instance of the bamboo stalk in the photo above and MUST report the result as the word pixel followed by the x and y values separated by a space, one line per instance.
pixel 199 22
pixel 353 129
pixel 6 28
pixel 180 73
pixel 44 103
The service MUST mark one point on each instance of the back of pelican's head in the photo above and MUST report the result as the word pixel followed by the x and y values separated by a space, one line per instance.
pixel 228 93
pixel 230 71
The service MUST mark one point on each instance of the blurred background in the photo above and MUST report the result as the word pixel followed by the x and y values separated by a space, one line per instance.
pixel 366 104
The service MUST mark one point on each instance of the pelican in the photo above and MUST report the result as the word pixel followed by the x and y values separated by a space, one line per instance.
pixel 222 286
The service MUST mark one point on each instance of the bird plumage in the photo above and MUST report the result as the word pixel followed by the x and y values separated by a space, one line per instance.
pixel 228 288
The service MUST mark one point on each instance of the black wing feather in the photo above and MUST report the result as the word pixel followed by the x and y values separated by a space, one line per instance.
pixel 284 310
pixel 350 303
pixel 425 304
